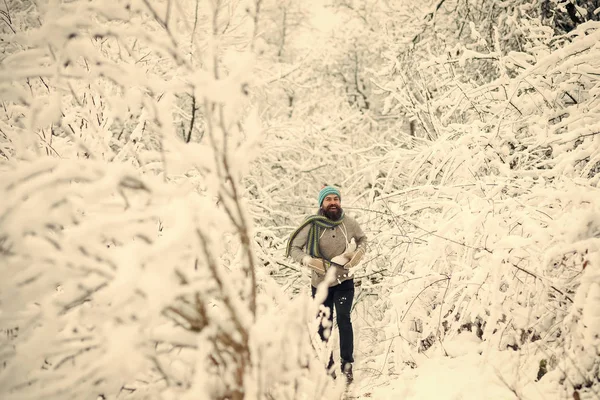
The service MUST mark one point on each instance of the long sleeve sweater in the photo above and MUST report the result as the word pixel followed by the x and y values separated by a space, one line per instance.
pixel 333 242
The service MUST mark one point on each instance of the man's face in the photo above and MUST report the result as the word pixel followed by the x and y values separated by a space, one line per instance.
pixel 331 207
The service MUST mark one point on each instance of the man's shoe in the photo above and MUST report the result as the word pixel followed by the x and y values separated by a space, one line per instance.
pixel 347 371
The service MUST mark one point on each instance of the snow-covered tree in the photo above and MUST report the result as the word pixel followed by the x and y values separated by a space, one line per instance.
pixel 128 266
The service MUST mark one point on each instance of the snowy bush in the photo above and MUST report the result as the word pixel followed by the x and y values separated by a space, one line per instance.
pixel 514 163
pixel 128 254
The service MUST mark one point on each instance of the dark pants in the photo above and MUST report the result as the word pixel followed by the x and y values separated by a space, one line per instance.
pixel 341 296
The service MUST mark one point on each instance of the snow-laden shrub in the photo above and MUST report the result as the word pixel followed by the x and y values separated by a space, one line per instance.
pixel 115 282
pixel 499 216
pixel 127 258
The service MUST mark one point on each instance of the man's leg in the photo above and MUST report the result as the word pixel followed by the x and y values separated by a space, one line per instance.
pixel 328 303
pixel 343 298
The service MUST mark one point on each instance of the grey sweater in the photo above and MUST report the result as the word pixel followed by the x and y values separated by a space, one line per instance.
pixel 332 243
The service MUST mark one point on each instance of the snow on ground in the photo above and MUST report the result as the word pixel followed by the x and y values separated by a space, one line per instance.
pixel 466 368
pixel 469 376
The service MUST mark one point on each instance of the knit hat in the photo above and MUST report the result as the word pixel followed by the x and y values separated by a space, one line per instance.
pixel 327 190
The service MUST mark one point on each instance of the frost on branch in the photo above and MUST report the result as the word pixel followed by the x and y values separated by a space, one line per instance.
pixel 129 266
pixel 498 213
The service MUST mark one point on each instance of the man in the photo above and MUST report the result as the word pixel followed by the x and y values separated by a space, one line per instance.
pixel 322 243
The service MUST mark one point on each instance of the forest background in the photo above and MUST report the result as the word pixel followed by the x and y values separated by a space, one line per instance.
pixel 156 154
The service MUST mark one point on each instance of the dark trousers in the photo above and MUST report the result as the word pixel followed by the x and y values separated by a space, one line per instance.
pixel 341 296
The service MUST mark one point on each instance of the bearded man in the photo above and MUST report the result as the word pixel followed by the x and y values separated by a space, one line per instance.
pixel 322 243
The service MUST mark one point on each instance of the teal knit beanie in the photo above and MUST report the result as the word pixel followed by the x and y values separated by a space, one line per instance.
pixel 327 190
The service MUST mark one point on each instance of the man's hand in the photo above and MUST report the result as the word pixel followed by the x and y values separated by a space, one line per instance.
pixel 316 264
pixel 355 258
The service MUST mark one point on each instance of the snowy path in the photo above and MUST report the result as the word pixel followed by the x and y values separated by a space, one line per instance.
pixel 464 374
pixel 463 377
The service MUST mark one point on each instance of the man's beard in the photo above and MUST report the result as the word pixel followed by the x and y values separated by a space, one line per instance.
pixel 332 213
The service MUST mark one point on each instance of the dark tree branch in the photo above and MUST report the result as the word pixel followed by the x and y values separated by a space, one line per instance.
pixel 194 109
